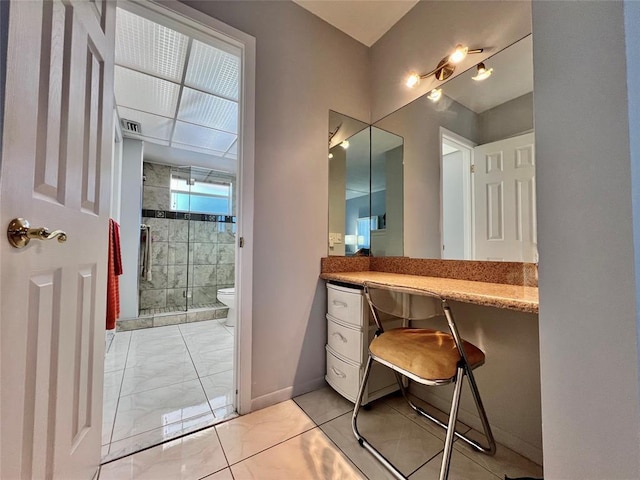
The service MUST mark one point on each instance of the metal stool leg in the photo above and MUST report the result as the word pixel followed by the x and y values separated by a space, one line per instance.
pixel 491 448
pixel 354 426
pixel 453 416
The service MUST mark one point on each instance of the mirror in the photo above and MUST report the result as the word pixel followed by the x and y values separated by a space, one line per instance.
pixel 365 189
pixel 469 180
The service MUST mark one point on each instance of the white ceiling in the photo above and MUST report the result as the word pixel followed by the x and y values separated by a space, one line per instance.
pixel 364 20
pixel 182 91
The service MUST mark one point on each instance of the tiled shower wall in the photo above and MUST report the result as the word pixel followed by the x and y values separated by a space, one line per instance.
pixel 205 250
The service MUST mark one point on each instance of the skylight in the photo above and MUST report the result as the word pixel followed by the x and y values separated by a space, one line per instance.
pixel 183 91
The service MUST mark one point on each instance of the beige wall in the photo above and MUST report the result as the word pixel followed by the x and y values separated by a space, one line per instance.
pixel 304 68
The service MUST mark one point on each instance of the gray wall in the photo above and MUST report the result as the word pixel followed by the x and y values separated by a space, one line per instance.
pixel 506 120
pixel 131 197
pixel 419 124
pixel 632 30
pixel 304 68
pixel 588 296
pixel 453 205
pixel 394 241
pixel 337 200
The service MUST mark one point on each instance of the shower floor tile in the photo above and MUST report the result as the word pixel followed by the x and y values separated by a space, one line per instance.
pixel 161 384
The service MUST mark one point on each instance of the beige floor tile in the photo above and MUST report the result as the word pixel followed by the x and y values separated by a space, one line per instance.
pixel 400 404
pixel 461 468
pixel 504 462
pixel 403 442
pixel 247 435
pixel 324 404
pixel 308 456
pixel 221 475
pixel 191 457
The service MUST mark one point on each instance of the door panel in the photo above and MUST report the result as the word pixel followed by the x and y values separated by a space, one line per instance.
pixel 55 161
pixel 505 202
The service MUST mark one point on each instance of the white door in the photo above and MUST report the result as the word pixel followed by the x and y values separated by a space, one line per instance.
pixel 505 200
pixel 55 172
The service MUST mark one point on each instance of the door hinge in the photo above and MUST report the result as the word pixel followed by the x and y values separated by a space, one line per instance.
pixel 241 242
pixel 473 168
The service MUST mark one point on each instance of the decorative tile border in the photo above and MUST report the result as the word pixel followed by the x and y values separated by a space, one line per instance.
pixel 202 217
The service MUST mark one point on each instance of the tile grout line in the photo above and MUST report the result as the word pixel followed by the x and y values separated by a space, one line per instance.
pixel 206 397
pixel 147 431
pixel 331 440
pixel 115 414
pixel 278 443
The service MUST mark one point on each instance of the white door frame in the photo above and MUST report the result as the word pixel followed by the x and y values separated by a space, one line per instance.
pixel 245 178
pixel 466 147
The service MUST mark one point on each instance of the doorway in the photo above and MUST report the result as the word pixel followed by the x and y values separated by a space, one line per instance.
pixel 172 366
pixel 456 187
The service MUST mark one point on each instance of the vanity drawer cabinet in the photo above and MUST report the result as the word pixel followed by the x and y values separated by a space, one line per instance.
pixel 350 329
pixel 346 304
pixel 342 375
pixel 344 340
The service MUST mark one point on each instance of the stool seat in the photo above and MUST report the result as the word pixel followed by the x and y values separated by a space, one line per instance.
pixel 428 354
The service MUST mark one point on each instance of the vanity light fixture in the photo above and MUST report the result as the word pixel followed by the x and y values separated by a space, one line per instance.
pixel 345 144
pixel 435 94
pixel 459 54
pixel 483 73
pixel 445 67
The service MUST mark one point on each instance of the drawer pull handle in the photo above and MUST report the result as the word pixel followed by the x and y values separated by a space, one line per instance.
pixel 340 336
pixel 338 303
pixel 338 372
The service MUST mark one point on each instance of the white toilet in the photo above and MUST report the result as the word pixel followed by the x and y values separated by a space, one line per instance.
pixel 228 297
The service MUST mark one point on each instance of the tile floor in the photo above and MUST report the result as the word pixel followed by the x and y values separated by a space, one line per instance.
pixel 310 437
pixel 163 382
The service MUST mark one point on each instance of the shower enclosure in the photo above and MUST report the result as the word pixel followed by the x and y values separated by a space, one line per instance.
pixel 187 243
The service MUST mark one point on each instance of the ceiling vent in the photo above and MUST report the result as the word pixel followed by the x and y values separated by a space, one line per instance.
pixel 129 126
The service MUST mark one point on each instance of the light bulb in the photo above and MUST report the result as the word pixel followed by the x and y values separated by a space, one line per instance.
pixel 412 80
pixel 331 155
pixel 435 94
pixel 483 73
pixel 458 55
pixel 345 144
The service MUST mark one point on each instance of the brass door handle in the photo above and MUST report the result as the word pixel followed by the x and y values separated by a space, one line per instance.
pixel 20 233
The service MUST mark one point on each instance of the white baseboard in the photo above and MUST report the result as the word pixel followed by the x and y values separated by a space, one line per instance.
pixel 287 393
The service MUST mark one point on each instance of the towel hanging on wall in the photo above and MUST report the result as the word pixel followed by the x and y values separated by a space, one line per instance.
pixel 114 269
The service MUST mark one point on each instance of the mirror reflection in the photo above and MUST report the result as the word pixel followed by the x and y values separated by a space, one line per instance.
pixel 365 189
pixel 469 182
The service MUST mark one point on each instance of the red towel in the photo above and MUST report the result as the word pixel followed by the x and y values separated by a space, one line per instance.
pixel 117 253
pixel 113 270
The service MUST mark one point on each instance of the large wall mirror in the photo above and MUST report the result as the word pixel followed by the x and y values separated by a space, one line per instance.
pixel 365 189
pixel 469 164
pixel 452 178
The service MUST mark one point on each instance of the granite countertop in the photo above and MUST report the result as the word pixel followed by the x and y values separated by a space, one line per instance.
pixel 513 297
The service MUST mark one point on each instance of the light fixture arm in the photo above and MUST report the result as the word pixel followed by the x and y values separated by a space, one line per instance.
pixel 446 66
